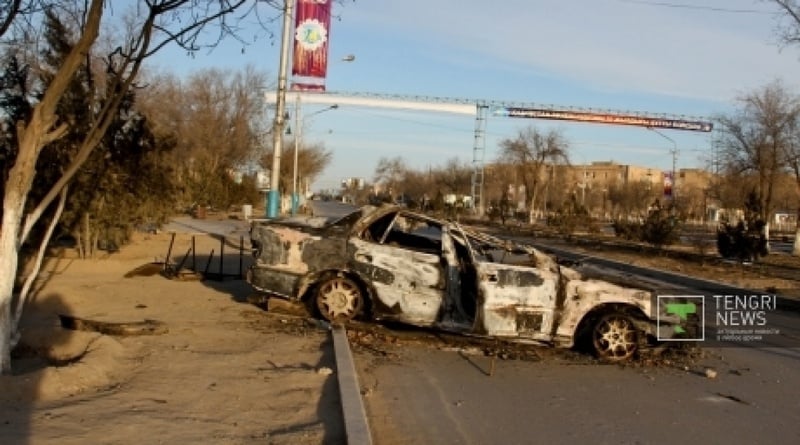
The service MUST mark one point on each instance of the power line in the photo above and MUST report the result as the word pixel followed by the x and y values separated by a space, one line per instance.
pixel 697 7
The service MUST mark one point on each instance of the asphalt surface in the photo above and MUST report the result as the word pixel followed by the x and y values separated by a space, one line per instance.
pixel 444 397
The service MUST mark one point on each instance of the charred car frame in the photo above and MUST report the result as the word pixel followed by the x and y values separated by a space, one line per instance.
pixel 389 263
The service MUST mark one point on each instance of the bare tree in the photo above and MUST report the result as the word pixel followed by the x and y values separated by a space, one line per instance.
pixel 214 119
pixel 148 27
pixel 312 160
pixel 390 173
pixel 530 151
pixel 789 29
pixel 755 141
pixel 631 199
pixel 455 176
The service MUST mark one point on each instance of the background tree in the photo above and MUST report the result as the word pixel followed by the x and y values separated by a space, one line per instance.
pixel 630 200
pixel 214 119
pixel 530 151
pixel 312 160
pixel 789 28
pixel 147 28
pixel 390 174
pixel 454 177
pixel 754 141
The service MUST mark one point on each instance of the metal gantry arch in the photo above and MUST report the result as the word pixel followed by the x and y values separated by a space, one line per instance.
pixel 483 109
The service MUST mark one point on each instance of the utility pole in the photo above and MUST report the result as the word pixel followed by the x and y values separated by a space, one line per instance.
pixel 674 153
pixel 274 196
pixel 298 130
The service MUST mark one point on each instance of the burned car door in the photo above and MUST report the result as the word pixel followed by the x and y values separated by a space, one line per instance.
pixel 400 254
pixel 517 292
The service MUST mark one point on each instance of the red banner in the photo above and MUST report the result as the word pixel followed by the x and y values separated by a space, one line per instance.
pixel 311 34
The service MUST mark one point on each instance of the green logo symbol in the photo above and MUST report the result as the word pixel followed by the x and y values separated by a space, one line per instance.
pixel 682 310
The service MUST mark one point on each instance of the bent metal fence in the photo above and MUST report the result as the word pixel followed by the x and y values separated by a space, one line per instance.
pixel 217 266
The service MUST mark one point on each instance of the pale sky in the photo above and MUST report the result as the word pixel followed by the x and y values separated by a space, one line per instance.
pixel 685 57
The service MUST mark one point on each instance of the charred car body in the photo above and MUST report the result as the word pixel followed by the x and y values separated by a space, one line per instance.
pixel 389 263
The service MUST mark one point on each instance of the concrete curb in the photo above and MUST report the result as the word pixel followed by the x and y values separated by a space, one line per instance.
pixel 355 417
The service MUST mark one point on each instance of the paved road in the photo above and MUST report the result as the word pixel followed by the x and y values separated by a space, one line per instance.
pixel 223 227
pixel 447 398
pixel 433 396
pixel 330 208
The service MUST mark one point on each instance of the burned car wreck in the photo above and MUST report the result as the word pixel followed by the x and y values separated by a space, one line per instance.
pixel 389 263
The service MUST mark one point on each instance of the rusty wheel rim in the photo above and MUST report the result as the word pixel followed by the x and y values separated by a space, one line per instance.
pixel 615 338
pixel 339 299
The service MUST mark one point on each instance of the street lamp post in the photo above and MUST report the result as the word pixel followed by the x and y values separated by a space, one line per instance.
pixel 674 153
pixel 273 197
pixel 298 132
pixel 297 139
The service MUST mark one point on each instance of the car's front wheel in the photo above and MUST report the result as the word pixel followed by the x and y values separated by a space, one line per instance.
pixel 614 337
pixel 339 299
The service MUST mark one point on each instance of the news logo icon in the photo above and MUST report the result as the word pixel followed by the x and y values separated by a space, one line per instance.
pixel 680 318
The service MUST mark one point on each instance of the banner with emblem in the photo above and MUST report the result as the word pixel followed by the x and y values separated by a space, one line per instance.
pixel 310 59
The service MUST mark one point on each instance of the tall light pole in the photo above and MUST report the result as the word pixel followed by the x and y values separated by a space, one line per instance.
pixel 274 196
pixel 298 122
pixel 674 153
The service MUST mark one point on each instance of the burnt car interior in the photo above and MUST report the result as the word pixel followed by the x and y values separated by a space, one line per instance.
pixel 406 232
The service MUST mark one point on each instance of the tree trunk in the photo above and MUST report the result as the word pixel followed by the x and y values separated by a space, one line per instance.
pixel 86 237
pixel 9 257
pixel 37 264
pixel 32 136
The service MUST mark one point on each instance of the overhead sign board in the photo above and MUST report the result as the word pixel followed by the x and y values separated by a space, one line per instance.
pixel 604 117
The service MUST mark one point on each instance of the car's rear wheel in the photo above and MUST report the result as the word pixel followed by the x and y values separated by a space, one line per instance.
pixel 614 337
pixel 339 299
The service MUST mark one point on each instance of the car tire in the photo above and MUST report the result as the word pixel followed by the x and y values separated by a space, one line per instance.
pixel 614 337
pixel 339 299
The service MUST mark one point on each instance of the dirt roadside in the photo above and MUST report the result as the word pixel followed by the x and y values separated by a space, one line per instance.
pixel 225 372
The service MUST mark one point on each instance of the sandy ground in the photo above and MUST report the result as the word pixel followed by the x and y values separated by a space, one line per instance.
pixel 225 372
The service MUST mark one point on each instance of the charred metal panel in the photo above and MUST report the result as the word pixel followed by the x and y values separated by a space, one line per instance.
pixel 582 296
pixel 325 253
pixel 503 285
pixel 508 291
pixel 273 281
pixel 529 321
pixel 282 247
pixel 271 248
pixel 514 277
pixel 514 321
pixel 413 293
pixel 373 273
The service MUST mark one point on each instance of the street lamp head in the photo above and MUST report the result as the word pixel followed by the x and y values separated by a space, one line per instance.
pixel 349 58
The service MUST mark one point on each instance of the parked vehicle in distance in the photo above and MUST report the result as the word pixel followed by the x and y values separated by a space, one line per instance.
pixel 388 263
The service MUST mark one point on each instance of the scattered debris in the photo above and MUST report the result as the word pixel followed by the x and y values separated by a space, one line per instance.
pixel 710 373
pixel 146 270
pixel 324 371
pixel 145 327
pixel 732 398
